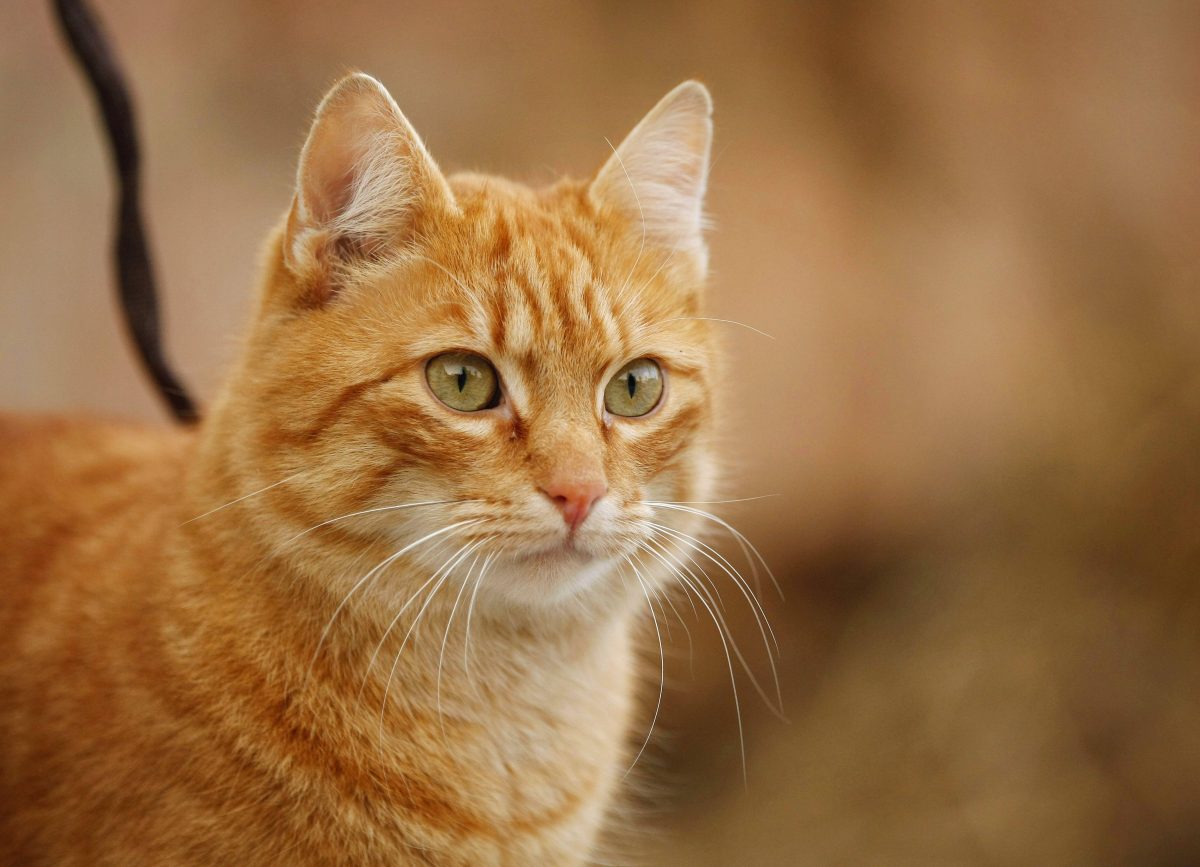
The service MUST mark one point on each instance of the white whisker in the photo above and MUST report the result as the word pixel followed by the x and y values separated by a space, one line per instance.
pixel 662 666
pixel 719 559
pixel 747 546
pixel 666 260
pixel 446 636
pixel 394 508
pixel 666 596
pixel 758 331
pixel 722 629
pixel 461 285
pixel 382 565
pixel 437 573
pixel 641 216
pixel 694 581
pixel 416 620
pixel 246 497
pixel 708 502
pixel 470 610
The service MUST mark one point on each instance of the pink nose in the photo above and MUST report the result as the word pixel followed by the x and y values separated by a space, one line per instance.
pixel 575 498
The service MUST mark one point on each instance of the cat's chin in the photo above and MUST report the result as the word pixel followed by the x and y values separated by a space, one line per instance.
pixel 550 576
pixel 557 557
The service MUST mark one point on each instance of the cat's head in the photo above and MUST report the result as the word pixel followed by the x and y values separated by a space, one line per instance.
pixel 469 368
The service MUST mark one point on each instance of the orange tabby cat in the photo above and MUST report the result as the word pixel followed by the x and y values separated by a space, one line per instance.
pixel 377 609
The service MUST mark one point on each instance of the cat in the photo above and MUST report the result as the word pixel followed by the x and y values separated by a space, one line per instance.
pixel 379 606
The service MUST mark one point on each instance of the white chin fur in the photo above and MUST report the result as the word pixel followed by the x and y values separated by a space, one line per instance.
pixel 549 580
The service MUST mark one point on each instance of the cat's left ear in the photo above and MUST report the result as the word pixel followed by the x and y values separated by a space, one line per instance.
pixel 364 183
pixel 657 177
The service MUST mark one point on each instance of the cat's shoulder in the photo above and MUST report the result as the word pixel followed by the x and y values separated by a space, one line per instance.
pixel 39 449
pixel 69 483
pixel 49 435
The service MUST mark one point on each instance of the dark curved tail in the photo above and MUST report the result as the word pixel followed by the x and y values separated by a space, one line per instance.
pixel 135 274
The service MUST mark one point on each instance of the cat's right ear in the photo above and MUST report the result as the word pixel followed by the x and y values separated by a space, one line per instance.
pixel 364 183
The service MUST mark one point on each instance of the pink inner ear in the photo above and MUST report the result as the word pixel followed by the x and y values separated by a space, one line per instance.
pixel 657 176
pixel 333 192
pixel 364 173
pixel 332 158
pixel 351 120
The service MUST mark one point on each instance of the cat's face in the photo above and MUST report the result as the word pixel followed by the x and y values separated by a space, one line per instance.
pixel 489 375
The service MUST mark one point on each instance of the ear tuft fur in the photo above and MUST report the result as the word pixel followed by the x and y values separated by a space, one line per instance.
pixel 363 182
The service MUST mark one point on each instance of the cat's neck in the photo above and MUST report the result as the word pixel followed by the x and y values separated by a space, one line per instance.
pixel 419 649
pixel 533 704
pixel 522 729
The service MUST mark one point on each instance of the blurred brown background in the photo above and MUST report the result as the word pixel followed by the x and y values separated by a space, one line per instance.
pixel 971 230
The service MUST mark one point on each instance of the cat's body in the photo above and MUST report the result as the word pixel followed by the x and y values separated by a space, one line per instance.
pixel 235 645
pixel 146 684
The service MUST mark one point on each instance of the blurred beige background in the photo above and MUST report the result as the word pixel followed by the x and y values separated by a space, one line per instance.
pixel 972 231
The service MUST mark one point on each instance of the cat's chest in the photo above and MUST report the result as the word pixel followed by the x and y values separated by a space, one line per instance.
pixel 490 774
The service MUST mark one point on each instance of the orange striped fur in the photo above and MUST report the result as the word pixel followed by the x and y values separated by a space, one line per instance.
pixel 192 668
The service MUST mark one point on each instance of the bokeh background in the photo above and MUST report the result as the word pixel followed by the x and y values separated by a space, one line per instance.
pixel 971 231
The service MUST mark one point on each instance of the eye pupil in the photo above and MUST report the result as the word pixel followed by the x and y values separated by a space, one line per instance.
pixel 635 389
pixel 463 381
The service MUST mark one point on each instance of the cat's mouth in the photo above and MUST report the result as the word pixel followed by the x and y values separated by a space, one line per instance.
pixel 564 551
pixel 570 555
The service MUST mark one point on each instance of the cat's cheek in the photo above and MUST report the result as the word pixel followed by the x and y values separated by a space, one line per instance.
pixel 689 477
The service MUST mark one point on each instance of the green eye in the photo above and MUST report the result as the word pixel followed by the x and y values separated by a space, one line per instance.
pixel 635 390
pixel 463 381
